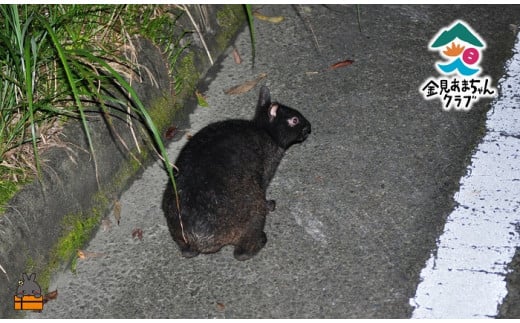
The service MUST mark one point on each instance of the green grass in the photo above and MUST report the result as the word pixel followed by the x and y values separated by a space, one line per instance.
pixel 57 60
pixel 20 47
pixel 7 190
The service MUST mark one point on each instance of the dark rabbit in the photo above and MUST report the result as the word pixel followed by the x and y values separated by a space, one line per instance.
pixel 224 171
pixel 28 286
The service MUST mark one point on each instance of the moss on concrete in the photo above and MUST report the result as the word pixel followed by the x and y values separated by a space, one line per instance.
pixel 186 73
pixel 9 188
pixel 7 191
pixel 77 229
pixel 162 112
pixel 230 18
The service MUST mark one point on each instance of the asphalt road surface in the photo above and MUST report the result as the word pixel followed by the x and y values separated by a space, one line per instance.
pixel 360 204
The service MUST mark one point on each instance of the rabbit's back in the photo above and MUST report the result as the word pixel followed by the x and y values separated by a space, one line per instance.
pixel 222 179
pixel 226 151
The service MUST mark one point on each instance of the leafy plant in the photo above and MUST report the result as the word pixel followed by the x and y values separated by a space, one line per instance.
pixel 56 59
pixel 20 48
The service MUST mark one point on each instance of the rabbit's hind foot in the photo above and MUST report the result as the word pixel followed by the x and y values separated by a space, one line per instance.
pixel 247 249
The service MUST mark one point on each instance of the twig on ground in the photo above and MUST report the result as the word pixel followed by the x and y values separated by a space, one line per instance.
pixel 2 268
pixel 307 22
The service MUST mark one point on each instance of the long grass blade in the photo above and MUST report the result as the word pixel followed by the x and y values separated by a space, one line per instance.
pixel 29 51
pixel 358 15
pixel 71 81
pixel 251 22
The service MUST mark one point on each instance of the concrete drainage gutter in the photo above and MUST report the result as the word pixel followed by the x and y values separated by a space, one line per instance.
pixel 47 220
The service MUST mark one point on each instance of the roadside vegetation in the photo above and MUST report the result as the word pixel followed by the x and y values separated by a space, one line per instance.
pixel 56 61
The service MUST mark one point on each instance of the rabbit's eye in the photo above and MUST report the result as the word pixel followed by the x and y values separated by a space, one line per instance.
pixel 293 121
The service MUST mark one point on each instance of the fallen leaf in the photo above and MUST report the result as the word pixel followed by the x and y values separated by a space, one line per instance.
pixel 344 63
pixel 50 296
pixel 306 9
pixel 246 86
pixel 106 224
pixel 170 132
pixel 221 306
pixel 137 233
pixel 201 100
pixel 82 254
pixel 271 19
pixel 117 211
pixel 236 56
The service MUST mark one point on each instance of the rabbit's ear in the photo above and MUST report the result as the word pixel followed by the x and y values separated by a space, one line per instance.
pixel 264 100
pixel 25 277
pixel 273 109
pixel 32 277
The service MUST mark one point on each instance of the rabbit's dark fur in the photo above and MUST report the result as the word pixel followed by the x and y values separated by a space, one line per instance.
pixel 223 174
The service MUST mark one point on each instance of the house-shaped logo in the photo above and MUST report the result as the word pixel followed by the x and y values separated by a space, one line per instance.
pixel 459 85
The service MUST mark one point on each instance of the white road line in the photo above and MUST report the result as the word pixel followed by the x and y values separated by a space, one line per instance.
pixel 465 278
